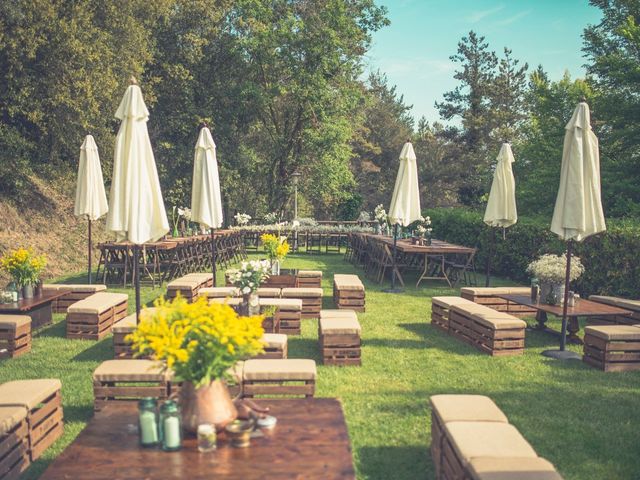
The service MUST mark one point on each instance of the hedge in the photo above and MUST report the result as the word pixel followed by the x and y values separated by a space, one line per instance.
pixel 611 259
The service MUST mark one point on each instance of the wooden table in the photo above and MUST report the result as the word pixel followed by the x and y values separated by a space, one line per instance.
pixel 310 441
pixel 582 308
pixel 39 308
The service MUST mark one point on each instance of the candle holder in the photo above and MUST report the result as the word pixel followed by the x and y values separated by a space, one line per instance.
pixel 170 426
pixel 148 422
pixel 239 432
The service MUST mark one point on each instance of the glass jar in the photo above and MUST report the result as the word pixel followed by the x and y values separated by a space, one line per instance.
pixel 170 426
pixel 206 437
pixel 148 422
pixel 535 290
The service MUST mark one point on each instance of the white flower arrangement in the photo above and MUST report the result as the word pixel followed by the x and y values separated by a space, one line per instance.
pixel 271 217
pixel 423 227
pixel 552 268
pixel 185 213
pixel 249 276
pixel 364 217
pixel 242 218
pixel 380 214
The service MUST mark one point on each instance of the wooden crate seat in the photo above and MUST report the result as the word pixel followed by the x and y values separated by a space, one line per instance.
pixel 340 342
pixel 122 380
pixel 338 313
pixel 218 292
pixel 42 401
pixel 275 346
pixel 288 314
pixel 269 292
pixel 92 318
pixel 187 288
pixel 126 326
pixel 440 307
pixel 632 305
pixel 14 441
pixel 348 292
pixel 15 335
pixel 503 468
pixel 309 278
pixel 488 296
pixel 74 293
pixel 612 348
pixel 311 300
pixel 205 279
pixel 279 377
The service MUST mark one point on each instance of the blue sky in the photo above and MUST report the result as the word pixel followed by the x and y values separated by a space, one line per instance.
pixel 414 50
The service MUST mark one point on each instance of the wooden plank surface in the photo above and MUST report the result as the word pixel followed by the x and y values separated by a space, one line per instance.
pixel 436 247
pixel 28 304
pixel 583 307
pixel 310 441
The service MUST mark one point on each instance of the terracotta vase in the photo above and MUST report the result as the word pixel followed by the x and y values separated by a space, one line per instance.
pixel 209 404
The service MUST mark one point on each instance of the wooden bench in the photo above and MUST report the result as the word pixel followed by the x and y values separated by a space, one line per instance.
pixel 75 293
pixel 309 279
pixel 632 305
pixel 440 307
pixel 121 347
pixel 348 292
pixel 269 292
pixel 218 292
pixel 92 318
pixel 126 380
pixel 490 331
pixel 472 440
pixel 287 315
pixel 15 335
pixel 339 336
pixel 273 377
pixel 14 442
pixel 275 346
pixel 42 401
pixel 612 348
pixel 487 296
pixel 188 286
pixel 311 300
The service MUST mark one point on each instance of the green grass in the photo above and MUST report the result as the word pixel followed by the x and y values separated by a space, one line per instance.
pixel 584 421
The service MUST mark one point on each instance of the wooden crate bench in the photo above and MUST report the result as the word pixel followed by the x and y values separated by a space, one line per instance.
pixel 126 380
pixel 275 346
pixel 287 315
pixel 218 292
pixel 311 300
pixel 14 442
pixel 274 377
pixel 631 305
pixel 440 307
pixel 269 292
pixel 612 348
pixel 233 381
pixel 75 293
pixel 121 347
pixel 348 292
pixel 92 318
pixel 42 401
pixel 309 279
pixel 204 278
pixel 340 339
pixel 15 335
pixel 458 408
pixel 487 296
pixel 492 332
pixel 492 468
pixel 186 287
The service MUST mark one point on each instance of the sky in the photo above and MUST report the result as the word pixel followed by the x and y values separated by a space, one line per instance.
pixel 414 50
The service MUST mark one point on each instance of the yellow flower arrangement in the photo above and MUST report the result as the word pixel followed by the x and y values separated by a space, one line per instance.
pixel 198 341
pixel 23 265
pixel 276 248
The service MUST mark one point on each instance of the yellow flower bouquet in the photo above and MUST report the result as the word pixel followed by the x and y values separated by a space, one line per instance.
pixel 198 341
pixel 23 265
pixel 276 247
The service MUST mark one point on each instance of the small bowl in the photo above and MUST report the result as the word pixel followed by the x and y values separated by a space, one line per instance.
pixel 239 432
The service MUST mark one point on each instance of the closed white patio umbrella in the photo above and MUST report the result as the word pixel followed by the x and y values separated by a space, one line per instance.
pixel 91 199
pixel 501 211
pixel 578 211
pixel 206 201
pixel 405 201
pixel 136 209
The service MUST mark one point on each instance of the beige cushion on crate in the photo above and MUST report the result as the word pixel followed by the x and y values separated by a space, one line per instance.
pixel 338 313
pixel 182 283
pixel 348 282
pixel 614 332
pixel 470 308
pixel 10 417
pixel 269 292
pixel 633 305
pixel 200 277
pixel 498 320
pixel 487 439
pixel 339 326
pixel 232 302
pixel 97 303
pixel 28 393
pixel 74 287
pixel 447 302
pixel 13 322
pixel 279 369
pixel 129 371
pixel 492 468
pixel 301 292
pixel 309 273
pixel 290 304
pixel 467 408
pixel 492 291
pixel 218 292
pixel 275 340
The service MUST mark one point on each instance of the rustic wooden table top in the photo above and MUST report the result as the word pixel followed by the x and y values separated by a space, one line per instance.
pixel 436 247
pixel 28 304
pixel 310 441
pixel 583 307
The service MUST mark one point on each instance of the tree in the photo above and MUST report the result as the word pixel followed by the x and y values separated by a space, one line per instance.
pixel 508 99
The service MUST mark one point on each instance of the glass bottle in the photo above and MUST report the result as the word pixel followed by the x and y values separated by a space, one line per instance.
pixel 148 422
pixel 170 426
pixel 535 290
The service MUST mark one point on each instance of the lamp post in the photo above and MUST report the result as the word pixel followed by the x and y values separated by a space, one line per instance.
pixel 296 179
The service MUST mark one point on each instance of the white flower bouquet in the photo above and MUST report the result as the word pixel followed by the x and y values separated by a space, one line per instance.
pixel 242 218
pixel 249 276
pixel 380 214
pixel 552 268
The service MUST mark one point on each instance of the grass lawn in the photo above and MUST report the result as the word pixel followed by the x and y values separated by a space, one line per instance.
pixel 584 421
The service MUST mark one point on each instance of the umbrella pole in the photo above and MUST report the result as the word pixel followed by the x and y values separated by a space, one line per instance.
pixel 213 256
pixel 89 269
pixel 563 338
pixel 492 242
pixel 393 288
pixel 136 272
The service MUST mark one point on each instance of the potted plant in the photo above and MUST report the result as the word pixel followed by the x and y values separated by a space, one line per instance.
pixel 25 268
pixel 199 343
pixel 276 248
pixel 550 270
pixel 423 231
pixel 381 217
pixel 248 279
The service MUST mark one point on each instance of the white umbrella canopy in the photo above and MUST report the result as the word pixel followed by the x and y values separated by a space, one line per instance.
pixel 405 202
pixel 206 201
pixel 578 211
pixel 501 208
pixel 136 209
pixel 91 199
